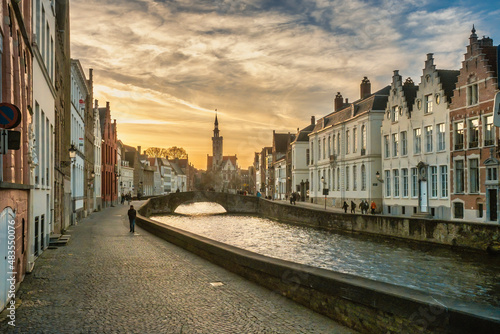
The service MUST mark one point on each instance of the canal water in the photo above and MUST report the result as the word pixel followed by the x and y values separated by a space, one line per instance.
pixel 436 270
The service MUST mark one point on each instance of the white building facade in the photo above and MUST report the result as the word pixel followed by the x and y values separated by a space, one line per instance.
pixel 97 159
pixel 42 197
pixel 79 93
pixel 300 159
pixel 344 150
pixel 415 141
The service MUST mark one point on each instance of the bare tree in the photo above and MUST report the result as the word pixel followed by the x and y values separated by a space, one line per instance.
pixel 156 152
pixel 176 152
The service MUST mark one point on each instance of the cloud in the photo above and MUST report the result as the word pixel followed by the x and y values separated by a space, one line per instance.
pixel 265 65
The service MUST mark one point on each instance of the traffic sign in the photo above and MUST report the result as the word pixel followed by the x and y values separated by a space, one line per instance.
pixel 10 116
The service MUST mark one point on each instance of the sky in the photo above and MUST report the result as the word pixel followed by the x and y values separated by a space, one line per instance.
pixel 165 66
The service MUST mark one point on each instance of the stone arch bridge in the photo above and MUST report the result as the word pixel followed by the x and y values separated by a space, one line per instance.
pixel 230 202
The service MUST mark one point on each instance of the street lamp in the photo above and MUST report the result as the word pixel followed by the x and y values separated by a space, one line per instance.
pixel 72 153
pixel 325 190
pixel 377 175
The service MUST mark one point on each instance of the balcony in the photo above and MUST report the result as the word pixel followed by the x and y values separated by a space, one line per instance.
pixel 363 151
pixel 489 142
pixel 459 146
pixel 333 158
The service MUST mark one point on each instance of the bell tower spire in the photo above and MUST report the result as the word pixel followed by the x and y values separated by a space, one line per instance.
pixel 216 145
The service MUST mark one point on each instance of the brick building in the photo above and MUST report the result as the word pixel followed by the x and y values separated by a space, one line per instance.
pixel 473 136
pixel 109 170
pixel 16 89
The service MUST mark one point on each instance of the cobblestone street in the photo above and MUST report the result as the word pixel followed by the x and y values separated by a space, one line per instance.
pixel 107 280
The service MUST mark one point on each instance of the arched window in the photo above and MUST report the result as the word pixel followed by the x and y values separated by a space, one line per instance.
pixel 363 177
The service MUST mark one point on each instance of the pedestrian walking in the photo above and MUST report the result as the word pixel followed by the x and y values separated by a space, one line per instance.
pixel 362 206
pixel 373 207
pixel 345 206
pixel 123 198
pixel 131 218
pixel 353 207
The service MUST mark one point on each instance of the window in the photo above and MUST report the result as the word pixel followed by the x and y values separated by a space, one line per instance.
pixel 324 148
pixel 363 177
pixel 347 142
pixel 428 138
pixel 404 173
pixel 459 176
pixel 395 114
pixel 458 210
pixel 307 155
pixel 414 182
pixel 443 171
pixel 428 99
pixel 417 141
pixel 347 178
pixel 458 135
pixel 363 137
pixel 441 137
pixel 492 174
pixel 387 183
pixel 395 173
pixel 354 177
pixel 319 149
pixel 434 181
pixel 354 140
pixel 333 145
pixel 338 143
pixel 404 143
pixel 394 144
pixel 386 147
pixel 474 175
pixel 473 133
pixel 329 146
pixel 489 138
pixel 312 154
pixel 338 178
pixel 472 95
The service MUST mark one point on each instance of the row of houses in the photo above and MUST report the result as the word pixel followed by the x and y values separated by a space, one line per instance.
pixel 426 149
pixel 68 161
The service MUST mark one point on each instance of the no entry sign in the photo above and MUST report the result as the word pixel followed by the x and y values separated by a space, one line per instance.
pixel 10 116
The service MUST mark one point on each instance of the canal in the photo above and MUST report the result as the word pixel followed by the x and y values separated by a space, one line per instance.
pixel 436 270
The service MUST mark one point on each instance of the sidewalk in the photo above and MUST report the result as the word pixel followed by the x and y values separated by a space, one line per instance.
pixel 107 280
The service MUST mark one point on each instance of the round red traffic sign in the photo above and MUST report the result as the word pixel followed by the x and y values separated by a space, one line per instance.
pixel 10 116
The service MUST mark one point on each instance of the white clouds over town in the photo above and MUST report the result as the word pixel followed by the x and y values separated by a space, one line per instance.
pixel 165 66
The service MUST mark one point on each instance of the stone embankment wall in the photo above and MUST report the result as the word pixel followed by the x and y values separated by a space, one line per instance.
pixel 476 236
pixel 362 304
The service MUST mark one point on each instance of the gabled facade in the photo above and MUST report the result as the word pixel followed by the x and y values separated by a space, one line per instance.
pixel 281 145
pixel 473 135
pixel 415 142
pixel 344 150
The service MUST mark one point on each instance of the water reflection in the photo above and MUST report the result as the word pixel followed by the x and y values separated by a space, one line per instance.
pixel 439 271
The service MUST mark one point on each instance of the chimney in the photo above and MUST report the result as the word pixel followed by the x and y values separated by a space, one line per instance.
pixel 313 120
pixel 139 149
pixel 339 101
pixel 96 104
pixel 107 104
pixel 365 88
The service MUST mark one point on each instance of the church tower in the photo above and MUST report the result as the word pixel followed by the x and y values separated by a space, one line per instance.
pixel 216 146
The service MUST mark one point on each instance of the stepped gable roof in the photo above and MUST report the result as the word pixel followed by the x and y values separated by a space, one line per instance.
pixel 102 118
pixel 448 79
pixel 410 93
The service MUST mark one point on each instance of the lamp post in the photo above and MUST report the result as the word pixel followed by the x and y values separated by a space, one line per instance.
pixel 325 190
pixel 377 175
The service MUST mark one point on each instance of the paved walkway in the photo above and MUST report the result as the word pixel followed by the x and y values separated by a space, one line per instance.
pixel 107 280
